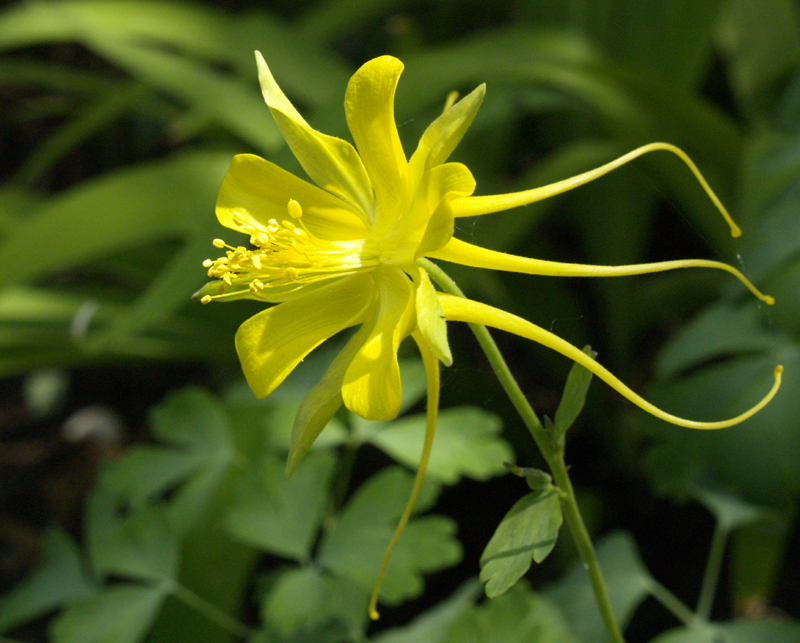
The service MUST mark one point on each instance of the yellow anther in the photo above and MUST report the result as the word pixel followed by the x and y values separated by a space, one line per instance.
pixel 259 240
pixel 295 211
pixel 208 263
pixel 291 273
pixel 206 299
pixel 227 278
pixel 218 243
pixel 255 286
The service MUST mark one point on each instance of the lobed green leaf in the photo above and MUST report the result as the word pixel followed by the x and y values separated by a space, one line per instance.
pixel 527 533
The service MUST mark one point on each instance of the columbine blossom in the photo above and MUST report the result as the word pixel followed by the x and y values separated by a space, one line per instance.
pixel 343 253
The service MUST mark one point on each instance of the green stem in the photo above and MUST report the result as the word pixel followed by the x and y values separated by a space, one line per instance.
pixel 711 576
pixel 672 604
pixel 552 450
pixel 210 611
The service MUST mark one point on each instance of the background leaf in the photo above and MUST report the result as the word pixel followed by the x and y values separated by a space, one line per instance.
pixel 354 547
pixel 466 443
pixel 122 613
pixel 626 578
pixel 517 616
pixel 59 581
pixel 278 515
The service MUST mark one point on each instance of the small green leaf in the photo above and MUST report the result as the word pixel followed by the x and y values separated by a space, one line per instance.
pixel 528 532
pixel 537 479
pixel 467 443
pixel 517 616
pixel 354 547
pixel 574 396
pixel 119 614
pixel 60 580
pixel 278 515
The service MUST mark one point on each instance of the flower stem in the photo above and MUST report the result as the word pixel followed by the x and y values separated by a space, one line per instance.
pixel 552 450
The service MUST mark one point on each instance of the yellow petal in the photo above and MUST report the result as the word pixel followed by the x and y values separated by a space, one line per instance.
pixel 369 108
pixel 321 402
pixel 274 341
pixel 447 184
pixel 467 254
pixel 258 191
pixel 432 377
pixel 466 310
pixel 477 205
pixel 331 163
pixel 429 222
pixel 371 385
pixel 445 133
pixel 430 318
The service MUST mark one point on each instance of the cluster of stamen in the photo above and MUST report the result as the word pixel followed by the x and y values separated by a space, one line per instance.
pixel 284 255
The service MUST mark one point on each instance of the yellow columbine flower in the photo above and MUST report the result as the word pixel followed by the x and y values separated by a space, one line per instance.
pixel 343 253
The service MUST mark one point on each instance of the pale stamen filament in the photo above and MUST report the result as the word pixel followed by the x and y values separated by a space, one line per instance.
pixel 285 253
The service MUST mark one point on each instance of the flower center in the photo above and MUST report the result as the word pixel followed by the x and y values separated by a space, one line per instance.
pixel 285 257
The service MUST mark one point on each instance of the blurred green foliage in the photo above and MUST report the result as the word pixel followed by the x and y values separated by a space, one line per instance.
pixel 119 118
